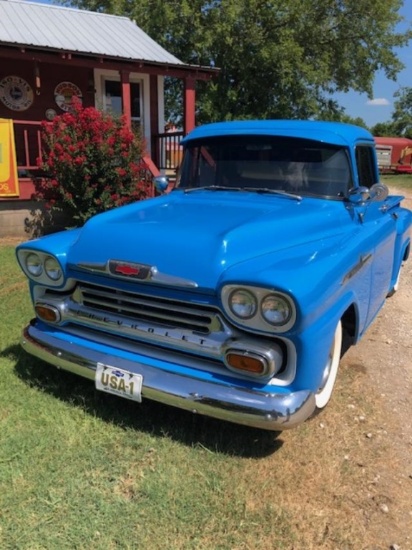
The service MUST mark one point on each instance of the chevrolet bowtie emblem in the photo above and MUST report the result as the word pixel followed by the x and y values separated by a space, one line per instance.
pixel 128 269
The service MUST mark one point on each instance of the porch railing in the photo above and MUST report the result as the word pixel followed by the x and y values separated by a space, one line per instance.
pixel 28 145
pixel 166 148
pixel 167 151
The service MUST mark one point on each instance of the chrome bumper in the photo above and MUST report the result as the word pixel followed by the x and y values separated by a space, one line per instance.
pixel 231 403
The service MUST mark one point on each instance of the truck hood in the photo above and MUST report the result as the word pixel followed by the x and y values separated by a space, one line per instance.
pixel 197 236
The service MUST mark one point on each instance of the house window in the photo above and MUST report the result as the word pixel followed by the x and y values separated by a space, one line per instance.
pixel 113 98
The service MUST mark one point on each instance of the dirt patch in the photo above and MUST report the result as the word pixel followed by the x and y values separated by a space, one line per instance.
pixel 345 476
pixel 10 241
pixel 384 356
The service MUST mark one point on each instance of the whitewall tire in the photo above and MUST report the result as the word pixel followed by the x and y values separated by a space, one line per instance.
pixel 331 370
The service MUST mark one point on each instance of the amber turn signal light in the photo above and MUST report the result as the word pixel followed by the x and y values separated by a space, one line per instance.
pixel 248 363
pixel 47 313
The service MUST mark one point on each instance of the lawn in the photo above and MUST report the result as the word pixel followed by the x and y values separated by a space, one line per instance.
pixel 401 181
pixel 83 470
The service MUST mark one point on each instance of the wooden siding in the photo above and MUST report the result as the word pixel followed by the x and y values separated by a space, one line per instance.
pixel 50 76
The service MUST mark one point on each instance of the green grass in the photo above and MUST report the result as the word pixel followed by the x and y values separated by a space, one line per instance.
pixel 83 470
pixel 401 181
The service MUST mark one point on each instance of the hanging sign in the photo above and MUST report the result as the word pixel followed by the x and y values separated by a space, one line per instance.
pixel 16 93
pixel 64 93
pixel 9 182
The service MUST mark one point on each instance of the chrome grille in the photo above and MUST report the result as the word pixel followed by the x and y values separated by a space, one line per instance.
pixel 154 310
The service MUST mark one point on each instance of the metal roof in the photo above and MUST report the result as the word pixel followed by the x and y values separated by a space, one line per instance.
pixel 78 31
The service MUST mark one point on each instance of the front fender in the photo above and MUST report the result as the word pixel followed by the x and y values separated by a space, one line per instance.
pixel 313 344
pixel 57 244
pixel 326 276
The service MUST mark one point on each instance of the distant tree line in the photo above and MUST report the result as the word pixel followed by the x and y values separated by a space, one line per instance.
pixel 401 123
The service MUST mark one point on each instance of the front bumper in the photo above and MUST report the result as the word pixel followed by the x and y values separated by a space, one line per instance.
pixel 236 404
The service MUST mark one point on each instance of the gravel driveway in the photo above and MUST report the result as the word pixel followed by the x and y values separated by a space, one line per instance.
pixel 384 356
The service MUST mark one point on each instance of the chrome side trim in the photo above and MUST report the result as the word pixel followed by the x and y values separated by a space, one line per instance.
pixel 363 260
pixel 236 404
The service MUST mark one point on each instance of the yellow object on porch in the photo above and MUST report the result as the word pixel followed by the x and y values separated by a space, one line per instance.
pixel 9 182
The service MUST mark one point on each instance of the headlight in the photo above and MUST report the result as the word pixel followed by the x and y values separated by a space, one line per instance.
pixel 41 267
pixel 276 310
pixel 52 269
pixel 34 265
pixel 259 309
pixel 243 304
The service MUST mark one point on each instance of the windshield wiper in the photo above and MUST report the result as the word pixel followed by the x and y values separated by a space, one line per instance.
pixel 212 188
pixel 248 189
pixel 273 192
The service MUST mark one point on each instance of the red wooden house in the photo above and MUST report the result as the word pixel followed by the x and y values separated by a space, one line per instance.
pixel 49 54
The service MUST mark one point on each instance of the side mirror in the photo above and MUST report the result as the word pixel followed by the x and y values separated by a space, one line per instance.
pixel 161 183
pixel 360 195
pixel 378 192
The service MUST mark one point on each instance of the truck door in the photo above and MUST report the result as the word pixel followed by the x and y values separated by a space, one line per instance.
pixel 379 228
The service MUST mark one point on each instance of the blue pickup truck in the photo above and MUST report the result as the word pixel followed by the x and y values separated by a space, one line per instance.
pixel 228 296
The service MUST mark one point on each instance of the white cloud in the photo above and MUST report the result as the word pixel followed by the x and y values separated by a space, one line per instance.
pixel 378 102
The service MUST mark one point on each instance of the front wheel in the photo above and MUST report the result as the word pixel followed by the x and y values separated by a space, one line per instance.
pixel 330 371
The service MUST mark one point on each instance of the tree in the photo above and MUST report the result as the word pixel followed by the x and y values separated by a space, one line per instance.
pixel 402 115
pixel 384 129
pixel 337 114
pixel 401 123
pixel 278 58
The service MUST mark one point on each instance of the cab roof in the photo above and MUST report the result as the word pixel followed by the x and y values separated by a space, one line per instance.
pixel 336 133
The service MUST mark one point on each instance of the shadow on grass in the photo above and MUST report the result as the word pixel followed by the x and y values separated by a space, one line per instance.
pixel 149 416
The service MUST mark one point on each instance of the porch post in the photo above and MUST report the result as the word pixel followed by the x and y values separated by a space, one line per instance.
pixel 126 103
pixel 189 104
pixel 154 119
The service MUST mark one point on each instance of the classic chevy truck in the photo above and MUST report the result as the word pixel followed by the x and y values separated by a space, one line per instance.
pixel 229 295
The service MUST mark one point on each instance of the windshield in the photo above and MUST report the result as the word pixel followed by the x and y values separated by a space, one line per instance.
pixel 292 165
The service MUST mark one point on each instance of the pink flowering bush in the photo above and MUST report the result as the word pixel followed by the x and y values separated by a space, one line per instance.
pixel 91 162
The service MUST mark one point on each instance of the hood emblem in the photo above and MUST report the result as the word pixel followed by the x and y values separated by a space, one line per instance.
pixel 133 271
pixel 128 269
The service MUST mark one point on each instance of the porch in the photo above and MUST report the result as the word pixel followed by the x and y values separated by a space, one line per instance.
pixel 107 62
pixel 165 157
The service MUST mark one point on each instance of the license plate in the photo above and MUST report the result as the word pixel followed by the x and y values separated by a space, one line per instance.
pixel 119 382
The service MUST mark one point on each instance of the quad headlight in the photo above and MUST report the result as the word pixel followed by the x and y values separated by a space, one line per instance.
pixel 34 265
pixel 242 303
pixel 41 267
pixel 276 309
pixel 259 308
pixel 52 268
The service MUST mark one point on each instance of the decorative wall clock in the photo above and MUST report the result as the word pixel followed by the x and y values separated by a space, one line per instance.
pixel 15 93
pixel 64 93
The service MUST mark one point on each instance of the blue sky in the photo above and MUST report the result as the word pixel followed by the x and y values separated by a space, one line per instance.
pixel 380 107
